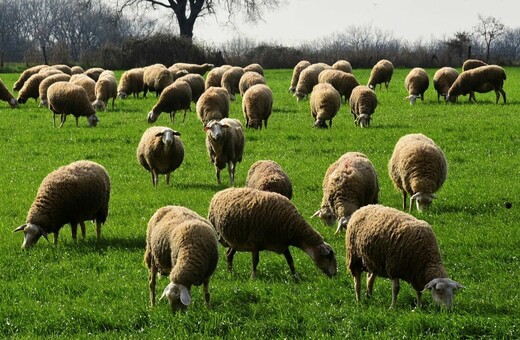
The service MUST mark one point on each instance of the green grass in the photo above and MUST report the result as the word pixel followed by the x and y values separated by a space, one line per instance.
pixel 85 288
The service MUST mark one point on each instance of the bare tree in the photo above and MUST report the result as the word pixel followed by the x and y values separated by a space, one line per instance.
pixel 489 28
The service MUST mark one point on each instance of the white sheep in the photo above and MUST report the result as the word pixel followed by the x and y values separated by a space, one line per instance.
pixel 417 167
pixel 389 243
pixel 160 151
pixel 76 69
pixel 268 175
pixel 174 97
pixel 106 89
pixel 471 64
pixel 131 82
pixel 381 73
pixel 254 220
pixel 416 83
pixel 255 67
pixel 156 78
pixel 481 79
pixel 443 79
pixel 257 106
pixel 194 68
pixel 214 77
pixel 26 74
pixel 44 86
pixel 72 194
pixel 6 95
pixel 183 244
pixel 94 73
pixel 30 88
pixel 66 98
pixel 298 68
pixel 196 83
pixel 62 68
pixel 325 102
pixel 87 83
pixel 225 143
pixel 308 79
pixel 349 184
pixel 342 65
pixel 363 103
pixel 231 79
pixel 343 82
pixel 213 104
pixel 249 79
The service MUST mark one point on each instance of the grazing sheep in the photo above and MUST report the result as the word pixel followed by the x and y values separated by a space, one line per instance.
pixel 26 74
pixel 106 89
pixel 298 68
pixel 381 73
pixel 156 78
pixel 94 73
pixel 325 103
pixel 257 105
pixel 254 68
pixel 194 68
pixel 87 83
pixel 160 151
pixel 249 79
pixel 225 145
pixel 67 98
pixel 308 79
pixel 131 82
pixel 416 83
pixel 183 244
pixel 174 97
pixel 269 176
pixel 72 194
pixel 231 79
pixel 363 103
pixel 343 82
pixel 470 64
pixel 62 68
pixel 214 77
pixel 176 72
pixel 213 104
pixel 417 167
pixel 342 65
pixel 44 86
pixel 196 83
pixel 481 79
pixel 443 79
pixel 6 96
pixel 30 88
pixel 349 184
pixel 389 243
pixel 76 70
pixel 254 220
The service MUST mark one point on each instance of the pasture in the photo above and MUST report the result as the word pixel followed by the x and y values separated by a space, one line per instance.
pixel 89 288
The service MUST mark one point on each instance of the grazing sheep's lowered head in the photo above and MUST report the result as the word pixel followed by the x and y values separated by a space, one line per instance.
pixel 32 234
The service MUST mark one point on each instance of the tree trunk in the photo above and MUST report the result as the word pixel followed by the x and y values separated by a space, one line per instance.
pixel 487 52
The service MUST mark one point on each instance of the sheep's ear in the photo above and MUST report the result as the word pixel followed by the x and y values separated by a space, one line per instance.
pixel 176 133
pixel 416 196
pixel 342 224
pixel 185 295
pixel 317 213
pixel 159 134
pixel 20 228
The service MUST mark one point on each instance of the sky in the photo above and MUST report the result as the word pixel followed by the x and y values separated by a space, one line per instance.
pixel 299 21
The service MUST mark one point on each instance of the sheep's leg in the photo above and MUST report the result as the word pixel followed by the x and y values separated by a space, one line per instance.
pixel 153 276
pixel 290 261
pixel 184 118
pixel 330 123
pixel 172 116
pixel 56 238
pixel 167 178
pixel 63 118
pixel 357 284
pixel 83 229
pixel 371 278
pixel 206 292
pixel 412 202
pixel 231 170
pixel 265 124
pixel 98 230
pixel 404 200
pixel 113 100
pixel 218 175
pixel 54 119
pixel 77 119
pixel 256 259
pixel 229 255
pixel 503 95
pixel 419 299
pixel 395 291
pixel 74 229
pixel 155 179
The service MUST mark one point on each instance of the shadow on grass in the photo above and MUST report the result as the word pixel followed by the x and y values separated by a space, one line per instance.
pixel 92 245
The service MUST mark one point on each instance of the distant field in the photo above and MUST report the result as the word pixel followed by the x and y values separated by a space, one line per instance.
pixel 77 290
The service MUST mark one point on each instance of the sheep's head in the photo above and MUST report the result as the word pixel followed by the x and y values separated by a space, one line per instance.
pixel 342 224
pixel 326 216
pixel 292 89
pixel 32 234
pixel 299 95
pixel 363 120
pixel 324 258
pixel 93 120
pixel 167 136
pixel 122 95
pixel 13 103
pixel 319 123
pixel 178 296
pixel 412 98
pixel 215 130
pixel 152 117
pixel 22 100
pixel 99 105
pixel 422 200
pixel 442 290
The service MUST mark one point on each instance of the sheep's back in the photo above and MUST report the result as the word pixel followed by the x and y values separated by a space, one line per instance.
pixel 269 176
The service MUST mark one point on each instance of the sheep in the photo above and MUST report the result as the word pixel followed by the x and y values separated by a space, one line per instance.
pixel 254 68
pixel 194 68
pixel 94 73
pixel 481 79
pixel 381 73
pixel 214 77
pixel 160 151
pixel 213 104
pixel 49 71
pixel 183 244
pixel 196 83
pixel 106 89
pixel 6 96
pixel 44 86
pixel 443 79
pixel 67 98
pixel 131 82
pixel 176 96
pixel 343 82
pixel 30 88
pixel 349 184
pixel 62 68
pixel 363 103
pixel 225 145
pixel 231 79
pixel 389 243
pixel 471 64
pixel 76 69
pixel 249 79
pixel 308 79
pixel 254 220
pixel 87 83
pixel 417 167
pixel 268 175
pixel 25 75
pixel 298 68
pixel 176 72
pixel 325 102
pixel 156 78
pixel 73 193
pixel 342 65
pixel 416 83
pixel 257 105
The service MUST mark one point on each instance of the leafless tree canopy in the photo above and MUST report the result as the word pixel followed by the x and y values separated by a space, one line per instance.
pixel 489 28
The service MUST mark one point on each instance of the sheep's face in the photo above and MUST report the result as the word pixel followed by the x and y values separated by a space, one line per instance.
pixel 32 234
pixel 215 130
pixel 324 257
pixel 13 103
pixel 422 200
pixel 99 105
pixel 412 98
pixel 168 136
pixel 363 120
pixel 320 124
pixel 152 117
pixel 93 121
pixel 178 296
pixel 442 290
pixel 326 216
pixel 122 95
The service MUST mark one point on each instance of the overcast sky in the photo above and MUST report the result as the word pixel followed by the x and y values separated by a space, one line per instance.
pixel 306 20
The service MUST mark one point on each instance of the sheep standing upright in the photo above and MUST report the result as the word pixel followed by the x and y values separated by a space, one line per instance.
pixel 443 79
pixel 249 79
pixel 269 176
pixel 416 83
pixel 481 79
pixel 213 104
pixel 174 97
pixel 417 167
pixel 325 102
pixel 257 105
pixel 72 194
pixel 363 103
pixel 343 82
pixel 6 96
pixel 381 73
pixel 131 82
pixel 254 220
pixel 67 98
pixel 160 151
pixel 225 142
pixel 298 68
pixel 389 243
pixel 183 244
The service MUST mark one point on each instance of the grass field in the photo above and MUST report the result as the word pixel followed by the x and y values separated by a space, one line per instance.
pixel 89 288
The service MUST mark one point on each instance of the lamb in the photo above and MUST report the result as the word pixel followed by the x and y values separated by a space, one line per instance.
pixel 343 82
pixel 73 193
pixel 257 105
pixel 67 98
pixel 325 103
pixel 342 65
pixel 30 88
pixel 443 79
pixel 254 68
pixel 214 77
pixel 363 103
pixel 225 145
pixel 298 68
pixel 381 73
pixel 249 79
pixel 308 79
pixel 389 243
pixel 480 79
pixel 94 73
pixel 87 83
pixel 213 104
pixel 76 70
pixel 194 68
pixel 160 151
pixel 349 184
pixel 417 167
pixel 106 89
pixel 6 96
pixel 156 78
pixel 268 175
pixel 416 83
pixel 196 83
pixel 175 97
pixel 131 82
pixel 470 64
pixel 254 220
pixel 183 244
pixel 26 74
pixel 44 86
pixel 231 79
